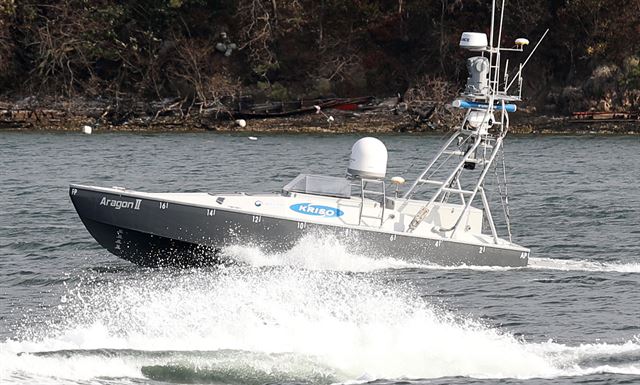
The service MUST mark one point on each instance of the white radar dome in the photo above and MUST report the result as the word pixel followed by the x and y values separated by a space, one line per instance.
pixel 368 159
pixel 473 41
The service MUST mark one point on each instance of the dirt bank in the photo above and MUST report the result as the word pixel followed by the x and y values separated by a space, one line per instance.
pixel 31 115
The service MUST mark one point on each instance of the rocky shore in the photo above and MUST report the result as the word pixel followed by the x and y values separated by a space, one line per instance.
pixel 30 115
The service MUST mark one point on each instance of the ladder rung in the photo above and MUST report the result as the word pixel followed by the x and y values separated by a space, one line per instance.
pixel 434 182
pixel 457 152
pixel 457 191
pixel 373 192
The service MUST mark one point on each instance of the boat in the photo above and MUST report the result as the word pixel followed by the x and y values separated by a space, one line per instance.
pixel 434 220
pixel 246 109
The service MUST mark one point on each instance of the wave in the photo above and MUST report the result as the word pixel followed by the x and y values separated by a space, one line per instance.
pixel 325 252
pixel 317 252
pixel 174 366
pixel 278 324
pixel 238 367
pixel 582 265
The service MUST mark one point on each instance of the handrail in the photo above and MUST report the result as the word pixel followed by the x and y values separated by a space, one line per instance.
pixel 419 217
pixel 409 192
pixel 363 191
pixel 476 188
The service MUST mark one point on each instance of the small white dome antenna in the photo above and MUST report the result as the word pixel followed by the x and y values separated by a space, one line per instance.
pixel 520 43
pixel 368 159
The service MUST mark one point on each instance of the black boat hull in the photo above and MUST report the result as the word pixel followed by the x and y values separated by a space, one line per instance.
pixel 151 232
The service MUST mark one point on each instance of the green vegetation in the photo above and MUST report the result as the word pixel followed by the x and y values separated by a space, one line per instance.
pixel 155 49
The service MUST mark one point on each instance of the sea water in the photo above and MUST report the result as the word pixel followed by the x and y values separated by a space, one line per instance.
pixel 71 313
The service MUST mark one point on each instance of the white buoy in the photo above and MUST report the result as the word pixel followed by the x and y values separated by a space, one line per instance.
pixel 87 130
pixel 241 122
pixel 253 138
pixel 317 107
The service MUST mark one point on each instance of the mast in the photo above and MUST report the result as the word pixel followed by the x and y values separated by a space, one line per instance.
pixel 479 138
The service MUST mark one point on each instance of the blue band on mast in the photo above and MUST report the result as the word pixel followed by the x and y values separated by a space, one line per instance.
pixel 467 105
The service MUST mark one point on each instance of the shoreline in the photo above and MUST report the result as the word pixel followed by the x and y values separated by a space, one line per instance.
pixel 72 117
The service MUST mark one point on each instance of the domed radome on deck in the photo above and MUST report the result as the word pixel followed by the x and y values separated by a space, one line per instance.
pixel 368 159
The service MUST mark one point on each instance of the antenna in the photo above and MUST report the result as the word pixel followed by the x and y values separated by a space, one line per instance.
pixel 519 74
